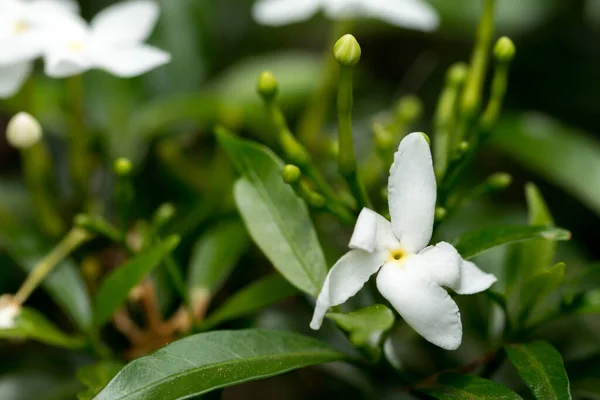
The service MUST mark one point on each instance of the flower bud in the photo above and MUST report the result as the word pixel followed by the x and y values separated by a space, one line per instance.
pixel 383 138
pixel 267 86
pixel 347 51
pixel 122 166
pixel 291 174
pixel 440 213
pixel 499 181
pixel 23 131
pixel 409 109
pixel 463 147
pixel 316 200
pixel 163 215
pixel 504 51
pixel 457 74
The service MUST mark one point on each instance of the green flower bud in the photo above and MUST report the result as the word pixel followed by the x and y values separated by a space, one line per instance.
pixel 383 139
pixel 316 200
pixel 504 51
pixel 426 138
pixel 122 166
pixel 457 74
pixel 440 213
pixel 347 51
pixel 23 131
pixel 409 109
pixel 463 147
pixel 499 181
pixel 291 174
pixel 267 86
pixel 163 215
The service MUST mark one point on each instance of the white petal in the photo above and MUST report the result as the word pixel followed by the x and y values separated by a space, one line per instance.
pixel 423 304
pixel 9 311
pixel 414 14
pixel 65 63
pixel 129 22
pixel 373 232
pixel 441 263
pixel 412 193
pixel 344 280
pixel 473 280
pixel 131 61
pixel 284 12
pixel 12 78
pixel 48 7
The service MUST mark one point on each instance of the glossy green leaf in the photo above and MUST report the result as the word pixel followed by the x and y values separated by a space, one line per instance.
pixel 64 284
pixel 215 255
pixel 252 298
pixel 364 322
pixel 96 376
pixel 207 361
pixel 33 325
pixel 537 288
pixel 115 288
pixel 534 140
pixel 278 221
pixel 452 386
pixel 476 242
pixel 542 369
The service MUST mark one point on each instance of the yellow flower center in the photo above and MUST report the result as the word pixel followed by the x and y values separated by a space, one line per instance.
pixel 398 254
pixel 76 46
pixel 20 27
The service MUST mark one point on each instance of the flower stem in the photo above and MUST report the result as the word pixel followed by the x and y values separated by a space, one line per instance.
pixel 72 240
pixel 78 164
pixel 346 156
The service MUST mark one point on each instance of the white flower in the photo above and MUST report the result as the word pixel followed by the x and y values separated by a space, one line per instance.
pixel 25 27
pixel 23 131
pixel 411 275
pixel 414 14
pixel 9 311
pixel 114 42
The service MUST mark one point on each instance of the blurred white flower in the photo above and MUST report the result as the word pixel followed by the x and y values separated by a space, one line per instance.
pixel 114 42
pixel 23 131
pixel 9 311
pixel 25 28
pixel 411 276
pixel 413 14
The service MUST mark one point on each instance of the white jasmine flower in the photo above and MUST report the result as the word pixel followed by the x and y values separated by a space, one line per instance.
pixel 25 27
pixel 414 14
pixel 114 42
pixel 411 275
pixel 9 311
pixel 23 131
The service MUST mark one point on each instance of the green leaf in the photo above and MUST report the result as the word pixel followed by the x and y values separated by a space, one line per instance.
pixel 214 256
pixel 476 242
pixel 536 140
pixel 207 361
pixel 364 322
pixel 278 221
pixel 253 297
pixel 31 324
pixel 452 386
pixel 64 284
pixel 115 288
pixel 537 288
pixel 539 253
pixel 542 369
pixel 96 376
pixel 586 303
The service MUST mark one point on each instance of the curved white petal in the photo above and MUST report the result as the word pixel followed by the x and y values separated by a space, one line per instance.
pixel 40 8
pixel 284 12
pixel 128 22
pixel 441 263
pixel 412 193
pixel 423 304
pixel 344 280
pixel 12 78
pixel 414 14
pixel 65 63
pixel 131 61
pixel 23 47
pixel 373 232
pixel 473 280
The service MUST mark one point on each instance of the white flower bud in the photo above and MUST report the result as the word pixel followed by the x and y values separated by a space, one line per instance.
pixel 9 311
pixel 23 131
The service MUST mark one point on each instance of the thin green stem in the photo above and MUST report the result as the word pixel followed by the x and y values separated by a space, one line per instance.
pixel 78 140
pixel 346 156
pixel 73 239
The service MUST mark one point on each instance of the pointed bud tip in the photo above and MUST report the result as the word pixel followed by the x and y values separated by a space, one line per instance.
pixel 23 131
pixel 504 51
pixel 500 180
pixel 291 174
pixel 347 51
pixel 122 166
pixel 267 85
pixel 426 137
